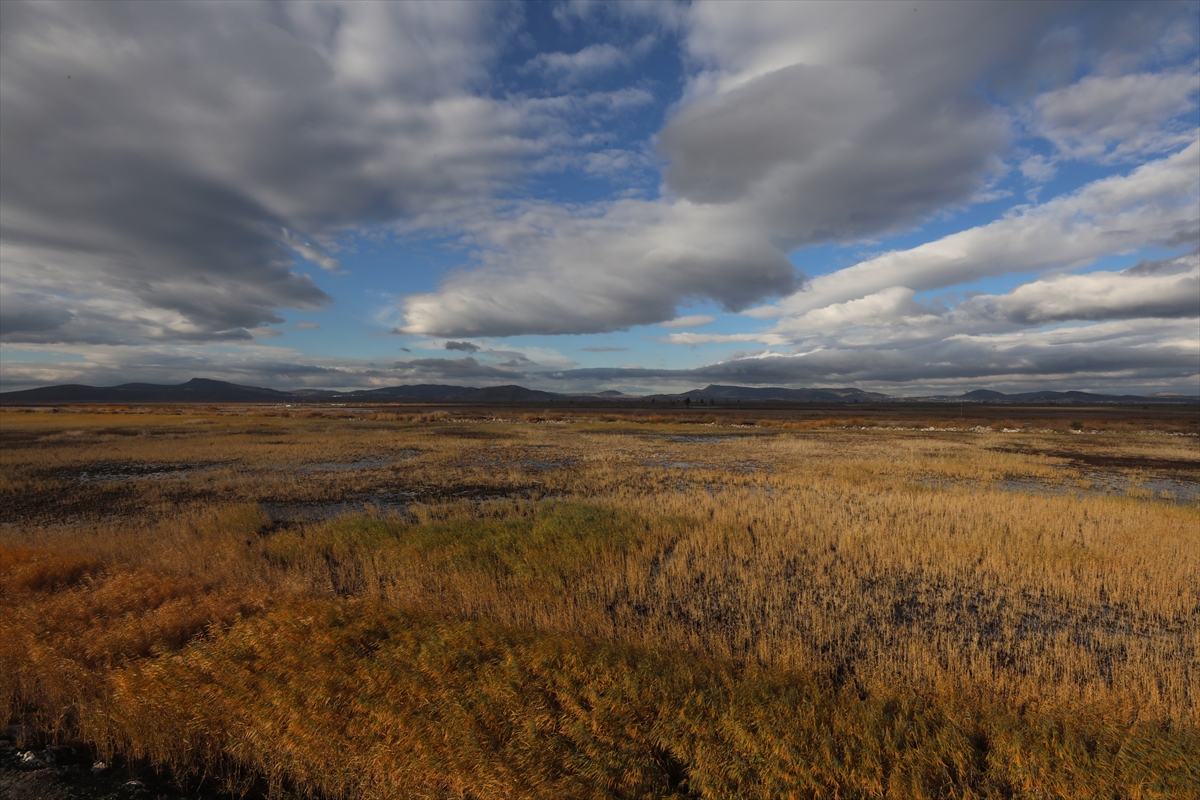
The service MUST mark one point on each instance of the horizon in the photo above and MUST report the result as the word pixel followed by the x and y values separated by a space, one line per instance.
pixel 913 199
pixel 598 392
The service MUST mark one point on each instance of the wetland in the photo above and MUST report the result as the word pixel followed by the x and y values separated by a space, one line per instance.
pixel 463 602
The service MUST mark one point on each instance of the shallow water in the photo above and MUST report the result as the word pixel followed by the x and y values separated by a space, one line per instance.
pixel 107 473
pixel 1168 490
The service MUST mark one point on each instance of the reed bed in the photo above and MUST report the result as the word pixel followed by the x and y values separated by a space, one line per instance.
pixel 592 608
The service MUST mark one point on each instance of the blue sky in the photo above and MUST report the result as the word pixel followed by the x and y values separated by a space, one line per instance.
pixel 579 196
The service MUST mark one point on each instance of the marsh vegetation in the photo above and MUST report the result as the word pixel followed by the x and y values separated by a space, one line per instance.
pixel 389 603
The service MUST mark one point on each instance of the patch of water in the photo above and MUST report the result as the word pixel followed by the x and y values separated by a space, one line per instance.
pixel 1165 489
pixel 110 473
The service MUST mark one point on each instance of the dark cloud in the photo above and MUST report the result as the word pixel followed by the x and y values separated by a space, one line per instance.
pixel 30 314
pixel 466 347
pixel 451 368
pixel 845 120
pixel 1165 266
pixel 174 159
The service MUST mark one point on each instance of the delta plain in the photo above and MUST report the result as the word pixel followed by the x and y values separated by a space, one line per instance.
pixel 854 601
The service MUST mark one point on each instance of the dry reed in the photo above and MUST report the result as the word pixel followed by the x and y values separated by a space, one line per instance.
pixel 805 611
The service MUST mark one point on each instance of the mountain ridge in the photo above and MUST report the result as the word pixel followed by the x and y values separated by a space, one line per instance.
pixel 207 390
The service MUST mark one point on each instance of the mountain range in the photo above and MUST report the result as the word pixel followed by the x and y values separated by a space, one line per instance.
pixel 203 390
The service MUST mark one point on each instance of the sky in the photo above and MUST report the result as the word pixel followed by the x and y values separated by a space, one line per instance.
pixel 906 197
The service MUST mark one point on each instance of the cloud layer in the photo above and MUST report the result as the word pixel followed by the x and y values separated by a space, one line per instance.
pixel 175 176
pixel 165 164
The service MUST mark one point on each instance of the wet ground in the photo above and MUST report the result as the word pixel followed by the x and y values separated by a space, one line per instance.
pixel 393 502
pixel 37 771
pixel 124 471
pixel 1171 480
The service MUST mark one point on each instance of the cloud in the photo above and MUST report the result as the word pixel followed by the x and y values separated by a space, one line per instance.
pixel 450 369
pixel 1113 118
pixel 1038 168
pixel 605 349
pixel 466 347
pixel 196 149
pixel 1100 296
pixel 306 326
pixel 724 338
pixel 800 124
pixel 1113 354
pixel 572 67
pixel 1155 204
pixel 691 321
pixel 252 363
pixel 612 162
pixel 549 271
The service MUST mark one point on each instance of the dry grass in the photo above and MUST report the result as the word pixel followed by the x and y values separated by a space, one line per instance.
pixel 637 607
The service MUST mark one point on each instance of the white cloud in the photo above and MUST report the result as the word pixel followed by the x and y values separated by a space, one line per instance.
pixel 630 263
pixel 613 162
pixel 1099 296
pixel 1109 118
pixel 572 67
pixel 1155 204
pixel 803 123
pixel 1038 168
pixel 690 321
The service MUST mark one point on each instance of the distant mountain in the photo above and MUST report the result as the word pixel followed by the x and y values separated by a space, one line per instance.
pixel 778 394
pixel 983 396
pixel 505 394
pixel 203 390
pixel 197 390
pixel 414 393
pixel 1063 398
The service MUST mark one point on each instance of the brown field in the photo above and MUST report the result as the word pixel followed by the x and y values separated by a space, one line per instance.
pixel 606 603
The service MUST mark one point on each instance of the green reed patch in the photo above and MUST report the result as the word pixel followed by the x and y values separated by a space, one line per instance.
pixel 548 543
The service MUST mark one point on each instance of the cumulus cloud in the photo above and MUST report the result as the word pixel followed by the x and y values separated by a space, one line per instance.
pixel 1099 296
pixel 1111 118
pixel 169 161
pixel 171 171
pixel 552 272
pixel 802 124
pixel 1155 204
